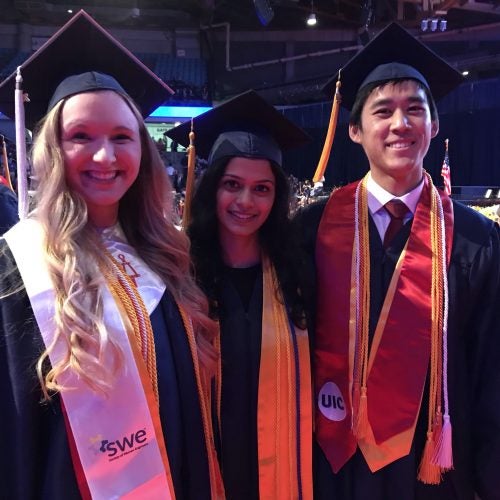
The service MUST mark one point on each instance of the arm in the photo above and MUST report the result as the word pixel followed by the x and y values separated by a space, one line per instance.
pixel 486 370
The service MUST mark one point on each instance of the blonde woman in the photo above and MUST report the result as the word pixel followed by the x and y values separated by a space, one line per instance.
pixel 105 345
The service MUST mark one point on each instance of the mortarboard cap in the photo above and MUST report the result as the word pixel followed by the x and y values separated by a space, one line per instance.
pixel 392 55
pixel 79 47
pixel 246 126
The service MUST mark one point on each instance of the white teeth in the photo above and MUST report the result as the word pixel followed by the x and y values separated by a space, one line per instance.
pixel 241 216
pixel 102 176
pixel 400 145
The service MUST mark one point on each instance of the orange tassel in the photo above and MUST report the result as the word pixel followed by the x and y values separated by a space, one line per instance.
pixel 186 215
pixel 327 147
pixel 428 472
pixel 361 425
pixel 443 454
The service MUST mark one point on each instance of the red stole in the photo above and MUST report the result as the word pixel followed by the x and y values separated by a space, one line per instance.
pixel 400 351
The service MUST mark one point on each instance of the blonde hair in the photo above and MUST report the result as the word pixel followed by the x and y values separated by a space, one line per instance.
pixel 71 250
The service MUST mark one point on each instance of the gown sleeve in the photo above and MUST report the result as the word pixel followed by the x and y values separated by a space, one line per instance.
pixel 33 446
pixel 484 335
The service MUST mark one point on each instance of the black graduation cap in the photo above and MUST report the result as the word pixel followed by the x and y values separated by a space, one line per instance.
pixel 394 54
pixel 81 46
pixel 246 126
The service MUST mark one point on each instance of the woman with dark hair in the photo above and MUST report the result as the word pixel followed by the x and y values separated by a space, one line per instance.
pixel 246 261
pixel 106 345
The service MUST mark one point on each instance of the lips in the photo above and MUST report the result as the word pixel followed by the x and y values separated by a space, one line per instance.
pixel 243 217
pixel 98 175
pixel 400 144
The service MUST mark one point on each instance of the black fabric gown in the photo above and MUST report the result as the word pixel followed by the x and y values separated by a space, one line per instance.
pixel 35 461
pixel 8 209
pixel 473 371
pixel 241 333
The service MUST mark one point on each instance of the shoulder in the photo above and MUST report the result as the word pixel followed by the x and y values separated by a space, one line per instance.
pixel 7 194
pixel 472 225
pixel 310 214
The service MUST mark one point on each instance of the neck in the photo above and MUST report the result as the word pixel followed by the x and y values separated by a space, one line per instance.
pixel 240 252
pixel 398 186
pixel 102 217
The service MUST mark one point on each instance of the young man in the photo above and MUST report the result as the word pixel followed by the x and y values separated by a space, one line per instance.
pixel 407 336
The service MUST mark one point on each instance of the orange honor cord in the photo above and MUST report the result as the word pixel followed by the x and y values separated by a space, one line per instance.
pixel 284 421
pixel 216 485
pixel 330 135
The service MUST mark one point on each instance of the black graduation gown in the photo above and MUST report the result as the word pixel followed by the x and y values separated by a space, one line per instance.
pixel 473 372
pixel 241 334
pixel 35 461
pixel 8 209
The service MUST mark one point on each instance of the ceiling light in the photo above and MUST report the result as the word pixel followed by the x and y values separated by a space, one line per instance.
pixel 465 72
pixel 311 20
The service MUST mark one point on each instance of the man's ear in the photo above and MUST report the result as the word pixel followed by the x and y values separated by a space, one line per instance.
pixel 434 128
pixel 355 133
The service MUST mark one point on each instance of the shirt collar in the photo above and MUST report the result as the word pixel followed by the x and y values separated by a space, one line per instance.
pixel 378 196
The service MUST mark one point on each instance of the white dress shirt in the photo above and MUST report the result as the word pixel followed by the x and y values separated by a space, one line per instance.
pixel 378 197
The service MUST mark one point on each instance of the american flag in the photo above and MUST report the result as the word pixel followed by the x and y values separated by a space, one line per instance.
pixel 445 171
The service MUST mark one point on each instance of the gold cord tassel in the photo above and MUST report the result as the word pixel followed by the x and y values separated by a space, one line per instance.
pixel 430 472
pixel 190 179
pixel 327 147
pixel 6 163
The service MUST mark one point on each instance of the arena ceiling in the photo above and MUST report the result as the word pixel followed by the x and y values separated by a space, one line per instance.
pixel 471 40
pixel 256 14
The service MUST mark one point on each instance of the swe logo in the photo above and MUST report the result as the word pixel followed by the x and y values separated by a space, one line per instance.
pixel 331 402
pixel 124 445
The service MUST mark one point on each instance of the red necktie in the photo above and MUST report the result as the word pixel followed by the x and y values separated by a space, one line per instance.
pixel 397 211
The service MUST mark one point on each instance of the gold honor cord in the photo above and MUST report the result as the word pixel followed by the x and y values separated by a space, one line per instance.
pixel 123 288
pixel 430 471
pixel 216 484
pixel 327 147
pixel 362 258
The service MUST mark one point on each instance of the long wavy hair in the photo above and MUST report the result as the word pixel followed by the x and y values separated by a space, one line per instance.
pixel 276 239
pixel 71 252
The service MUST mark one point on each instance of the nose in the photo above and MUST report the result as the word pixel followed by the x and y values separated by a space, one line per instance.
pixel 400 120
pixel 105 152
pixel 245 198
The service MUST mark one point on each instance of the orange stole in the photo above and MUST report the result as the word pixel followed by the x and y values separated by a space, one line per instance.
pixel 284 411
pixel 394 397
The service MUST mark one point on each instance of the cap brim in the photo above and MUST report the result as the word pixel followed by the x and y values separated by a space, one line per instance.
pixel 81 45
pixel 394 44
pixel 245 112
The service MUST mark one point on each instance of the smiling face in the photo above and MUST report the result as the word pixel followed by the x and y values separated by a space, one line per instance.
pixel 245 197
pixel 395 133
pixel 101 146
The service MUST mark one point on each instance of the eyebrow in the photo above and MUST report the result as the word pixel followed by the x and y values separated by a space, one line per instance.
pixel 387 101
pixel 78 122
pixel 234 176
